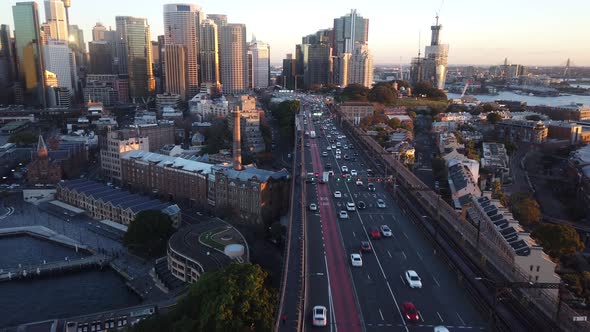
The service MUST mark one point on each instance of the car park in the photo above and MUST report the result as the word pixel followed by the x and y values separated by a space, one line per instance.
pixel 366 246
pixel 350 206
pixel 320 315
pixel 413 279
pixel 343 215
pixel 381 204
pixel 386 231
pixel 337 194
pixel 356 260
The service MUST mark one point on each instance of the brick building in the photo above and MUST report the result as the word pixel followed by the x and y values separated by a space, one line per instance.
pixel 355 111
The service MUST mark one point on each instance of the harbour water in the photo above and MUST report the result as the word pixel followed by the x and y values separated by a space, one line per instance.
pixel 62 296
pixel 531 100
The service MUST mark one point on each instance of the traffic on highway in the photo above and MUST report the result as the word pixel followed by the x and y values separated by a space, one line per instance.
pixel 368 266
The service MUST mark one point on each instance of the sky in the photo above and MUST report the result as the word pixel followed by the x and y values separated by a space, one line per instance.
pixel 528 32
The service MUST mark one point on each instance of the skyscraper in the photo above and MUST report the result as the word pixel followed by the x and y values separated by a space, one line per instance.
pixel 182 23
pixel 348 30
pixel 29 53
pixel 233 64
pixel 360 67
pixel 55 15
pixel 134 55
pixel 59 60
pixel 209 52
pixel 433 67
pixel 260 63
pixel 7 64
pixel 175 70
pixel 289 71
pixel 319 69
pixel 98 31
pixel 101 57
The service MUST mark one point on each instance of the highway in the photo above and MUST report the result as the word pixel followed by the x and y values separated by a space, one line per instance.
pixel 369 298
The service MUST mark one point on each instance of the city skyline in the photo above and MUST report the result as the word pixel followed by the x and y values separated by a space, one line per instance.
pixel 394 29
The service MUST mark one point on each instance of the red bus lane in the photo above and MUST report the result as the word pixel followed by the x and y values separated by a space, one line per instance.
pixel 345 309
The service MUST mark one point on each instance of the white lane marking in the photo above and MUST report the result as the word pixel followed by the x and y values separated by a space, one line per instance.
pixel 382 218
pixel 419 256
pixel 354 234
pixel 420 315
pixel 402 278
pixel 389 254
pixel 440 317
pixel 369 276
pixel 404 254
pixel 436 281
pixel 380 313
pixel 404 233
pixel 461 319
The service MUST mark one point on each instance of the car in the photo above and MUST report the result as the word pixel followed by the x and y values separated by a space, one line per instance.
pixel 338 156
pixel 386 231
pixel 346 157
pixel 344 169
pixel 374 233
pixel 338 144
pixel 337 194
pixel 345 147
pixel 329 148
pixel 338 151
pixel 413 279
pixel 356 260
pixel 381 204
pixel 371 186
pixel 343 215
pixel 440 328
pixel 410 312
pixel 313 207
pixel 307 145
pixel 350 206
pixel 370 172
pixel 361 205
pixel 320 316
pixel 359 182
pixel 324 154
pixel 353 172
pixel 366 246
pixel 333 146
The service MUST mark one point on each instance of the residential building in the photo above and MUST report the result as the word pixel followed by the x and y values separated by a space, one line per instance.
pixel 29 53
pixel 105 202
pixel 563 130
pixel 168 99
pixel 107 89
pixel 260 51
pixel 360 66
pixel 574 112
pixel 522 131
pixel 101 57
pixel 134 55
pixel 209 45
pixel 182 24
pixel 113 144
pixel 462 184
pixel 204 105
pixel 159 135
pixel 249 124
pixel 495 159
pixel 233 60
pixel 55 16
pixel 356 111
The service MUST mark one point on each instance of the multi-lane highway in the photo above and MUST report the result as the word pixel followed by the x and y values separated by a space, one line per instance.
pixel 370 298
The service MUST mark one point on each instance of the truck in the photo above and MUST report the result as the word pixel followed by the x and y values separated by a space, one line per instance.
pixel 326 177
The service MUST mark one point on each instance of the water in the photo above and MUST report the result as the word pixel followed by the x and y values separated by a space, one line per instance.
pixel 28 250
pixel 64 296
pixel 531 100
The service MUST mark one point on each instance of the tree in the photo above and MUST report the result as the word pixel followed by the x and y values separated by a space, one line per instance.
pixel 23 138
pixel 525 208
pixel 487 108
pixel 383 93
pixel 394 123
pixel 148 233
pixel 217 136
pixel 496 189
pixel 412 115
pixel 494 118
pixel 426 88
pixel 533 117
pixel 407 126
pixel 356 92
pixel 285 114
pixel 558 240
pixel 234 298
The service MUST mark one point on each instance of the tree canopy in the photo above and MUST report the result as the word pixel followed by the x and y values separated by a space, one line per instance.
pixel 356 92
pixel 525 208
pixel 285 114
pixel 558 240
pixel 426 88
pixel 494 118
pixel 23 138
pixel 383 92
pixel 148 233
pixel 217 136
pixel 234 298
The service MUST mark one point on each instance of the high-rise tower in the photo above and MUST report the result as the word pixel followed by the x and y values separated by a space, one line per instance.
pixel 437 54
pixel 349 30
pixel 55 15
pixel 233 64
pixel 182 23
pixel 209 52
pixel 260 64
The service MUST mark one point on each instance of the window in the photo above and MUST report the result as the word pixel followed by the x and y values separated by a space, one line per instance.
pixel 538 267
pixel 536 278
pixel 531 268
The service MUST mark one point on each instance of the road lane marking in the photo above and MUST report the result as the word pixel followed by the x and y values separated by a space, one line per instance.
pixel 369 276
pixel 402 278
pixel 461 319
pixel 381 314
pixel 404 233
pixel 419 256
pixel 404 254
pixel 440 317
pixel 389 254
pixel 436 281
pixel 382 218
pixel 354 234
pixel 420 315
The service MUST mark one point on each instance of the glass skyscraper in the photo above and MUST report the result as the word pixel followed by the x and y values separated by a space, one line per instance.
pixel 135 56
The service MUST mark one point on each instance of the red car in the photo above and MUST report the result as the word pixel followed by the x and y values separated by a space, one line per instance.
pixel 374 233
pixel 410 312
pixel 366 246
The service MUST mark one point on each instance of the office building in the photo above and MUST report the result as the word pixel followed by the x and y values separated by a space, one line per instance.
pixel 175 68
pixel 107 89
pixel 289 72
pixel 134 55
pixel 59 59
pixel 7 66
pixel 181 27
pixel 349 30
pixel 209 44
pixel 260 51
pixel 29 53
pixel 76 38
pixel 360 66
pixel 233 61
pixel 98 32
pixel 55 16
pixel 168 100
pixel 155 49
pixel 319 68
pixel 101 57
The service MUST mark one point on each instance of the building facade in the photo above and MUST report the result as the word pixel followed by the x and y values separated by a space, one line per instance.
pixel 101 57
pixel 134 55
pixel 55 16
pixel 260 51
pixel 233 59
pixel 113 144
pixel 356 111
pixel 209 44
pixel 59 59
pixel 522 131
pixel 360 68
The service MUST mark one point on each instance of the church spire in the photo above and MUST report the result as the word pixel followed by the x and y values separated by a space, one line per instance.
pixel 42 148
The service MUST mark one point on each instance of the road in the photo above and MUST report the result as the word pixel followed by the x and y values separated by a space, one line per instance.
pixel 378 287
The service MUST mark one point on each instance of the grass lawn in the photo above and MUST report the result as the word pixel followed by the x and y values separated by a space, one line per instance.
pixel 207 238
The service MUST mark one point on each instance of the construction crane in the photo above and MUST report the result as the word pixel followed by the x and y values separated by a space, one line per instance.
pixel 566 71
pixel 464 90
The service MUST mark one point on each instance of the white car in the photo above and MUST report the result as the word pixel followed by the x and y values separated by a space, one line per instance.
pixel 343 214
pixel 386 231
pixel 324 154
pixel 354 172
pixel 440 328
pixel 381 204
pixel 329 148
pixel 313 207
pixel 413 279
pixel 320 316
pixel 350 206
pixel 356 260
pixel 338 151
pixel 344 169
pixel 359 182
pixel 338 156
pixel 337 194
pixel 333 146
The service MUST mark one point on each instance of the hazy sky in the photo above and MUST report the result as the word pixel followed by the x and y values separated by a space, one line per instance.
pixel 531 32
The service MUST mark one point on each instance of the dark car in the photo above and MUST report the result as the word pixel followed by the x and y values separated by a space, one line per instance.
pixel 366 246
pixel 374 233
pixel 410 312
pixel 371 186
pixel 361 205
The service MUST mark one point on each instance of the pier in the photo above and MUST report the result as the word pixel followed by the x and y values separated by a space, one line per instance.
pixel 52 268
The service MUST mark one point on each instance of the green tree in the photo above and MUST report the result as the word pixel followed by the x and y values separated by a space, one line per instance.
pixel 23 138
pixel 487 108
pixel 285 114
pixel 496 189
pixel 382 93
pixel 394 123
pixel 356 92
pixel 148 233
pixel 426 88
pixel 217 136
pixel 494 118
pixel 407 126
pixel 412 115
pixel 558 240
pixel 234 298
pixel 525 208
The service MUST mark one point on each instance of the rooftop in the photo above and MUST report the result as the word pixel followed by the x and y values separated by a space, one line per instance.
pixel 167 161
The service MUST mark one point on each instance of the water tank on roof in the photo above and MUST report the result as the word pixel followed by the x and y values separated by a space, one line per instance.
pixel 234 250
